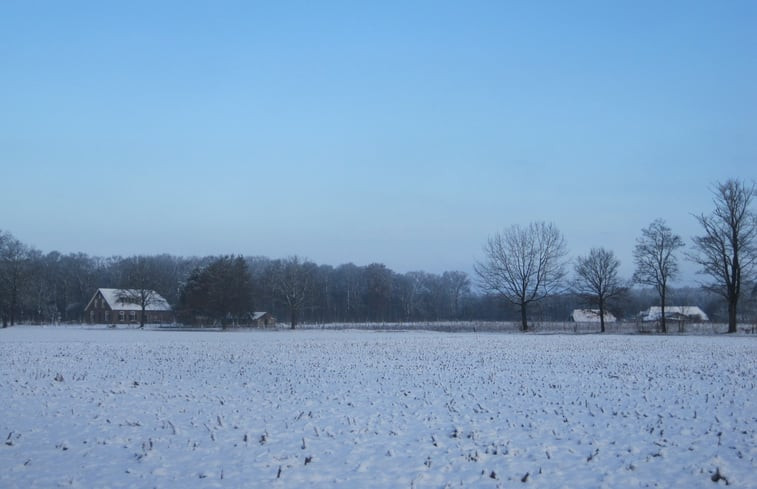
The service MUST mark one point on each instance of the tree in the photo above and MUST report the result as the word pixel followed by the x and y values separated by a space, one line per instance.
pixel 377 291
pixel 320 303
pixel 345 292
pixel 221 291
pixel 656 263
pixel 76 286
pixel 456 285
pixel 167 271
pixel 139 284
pixel 727 251
pixel 5 237
pixel 523 265
pixel 413 291
pixel 14 274
pixel 292 281
pixel 597 279
pixel 233 290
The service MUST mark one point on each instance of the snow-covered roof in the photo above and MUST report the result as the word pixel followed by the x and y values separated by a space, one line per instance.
pixel 258 314
pixel 590 316
pixel 654 313
pixel 157 302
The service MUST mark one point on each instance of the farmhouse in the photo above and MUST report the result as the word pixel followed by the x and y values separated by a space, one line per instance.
pixel 590 316
pixel 116 306
pixel 674 313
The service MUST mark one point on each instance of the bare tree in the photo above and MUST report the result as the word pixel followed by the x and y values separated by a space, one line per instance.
pixel 346 291
pixel 292 281
pixel 656 263
pixel 14 275
pixel 727 251
pixel 413 290
pixel 5 239
pixel 456 285
pixel 597 279
pixel 523 264
pixel 139 285
pixel 78 282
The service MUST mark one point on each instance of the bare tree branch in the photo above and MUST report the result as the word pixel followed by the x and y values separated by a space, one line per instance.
pixel 656 263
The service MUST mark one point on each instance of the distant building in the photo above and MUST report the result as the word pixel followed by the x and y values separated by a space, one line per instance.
pixel 590 316
pixel 108 307
pixel 674 313
pixel 262 319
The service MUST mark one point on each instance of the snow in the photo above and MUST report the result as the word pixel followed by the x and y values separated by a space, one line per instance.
pixel 131 408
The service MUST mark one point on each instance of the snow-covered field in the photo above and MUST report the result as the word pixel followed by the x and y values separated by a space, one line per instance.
pixel 128 408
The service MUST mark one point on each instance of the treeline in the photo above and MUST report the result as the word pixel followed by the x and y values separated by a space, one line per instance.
pixel 53 287
pixel 524 274
pixel 38 287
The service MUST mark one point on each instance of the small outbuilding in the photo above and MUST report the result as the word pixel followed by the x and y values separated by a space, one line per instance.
pixel 117 306
pixel 262 319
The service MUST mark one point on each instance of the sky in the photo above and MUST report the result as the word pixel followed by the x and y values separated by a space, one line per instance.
pixel 404 133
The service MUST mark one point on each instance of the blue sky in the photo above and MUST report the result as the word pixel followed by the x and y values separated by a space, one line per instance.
pixel 397 132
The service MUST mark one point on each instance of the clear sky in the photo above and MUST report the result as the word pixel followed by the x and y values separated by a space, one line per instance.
pixel 397 132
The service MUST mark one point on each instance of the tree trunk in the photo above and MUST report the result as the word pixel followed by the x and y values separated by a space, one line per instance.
pixel 523 321
pixel 13 308
pixel 663 326
pixel 293 318
pixel 601 317
pixel 142 317
pixel 732 315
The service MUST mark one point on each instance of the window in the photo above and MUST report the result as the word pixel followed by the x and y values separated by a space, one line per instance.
pixel 121 316
pixel 132 316
pixel 107 316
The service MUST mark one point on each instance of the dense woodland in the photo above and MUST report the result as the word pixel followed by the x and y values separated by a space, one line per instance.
pixel 524 269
